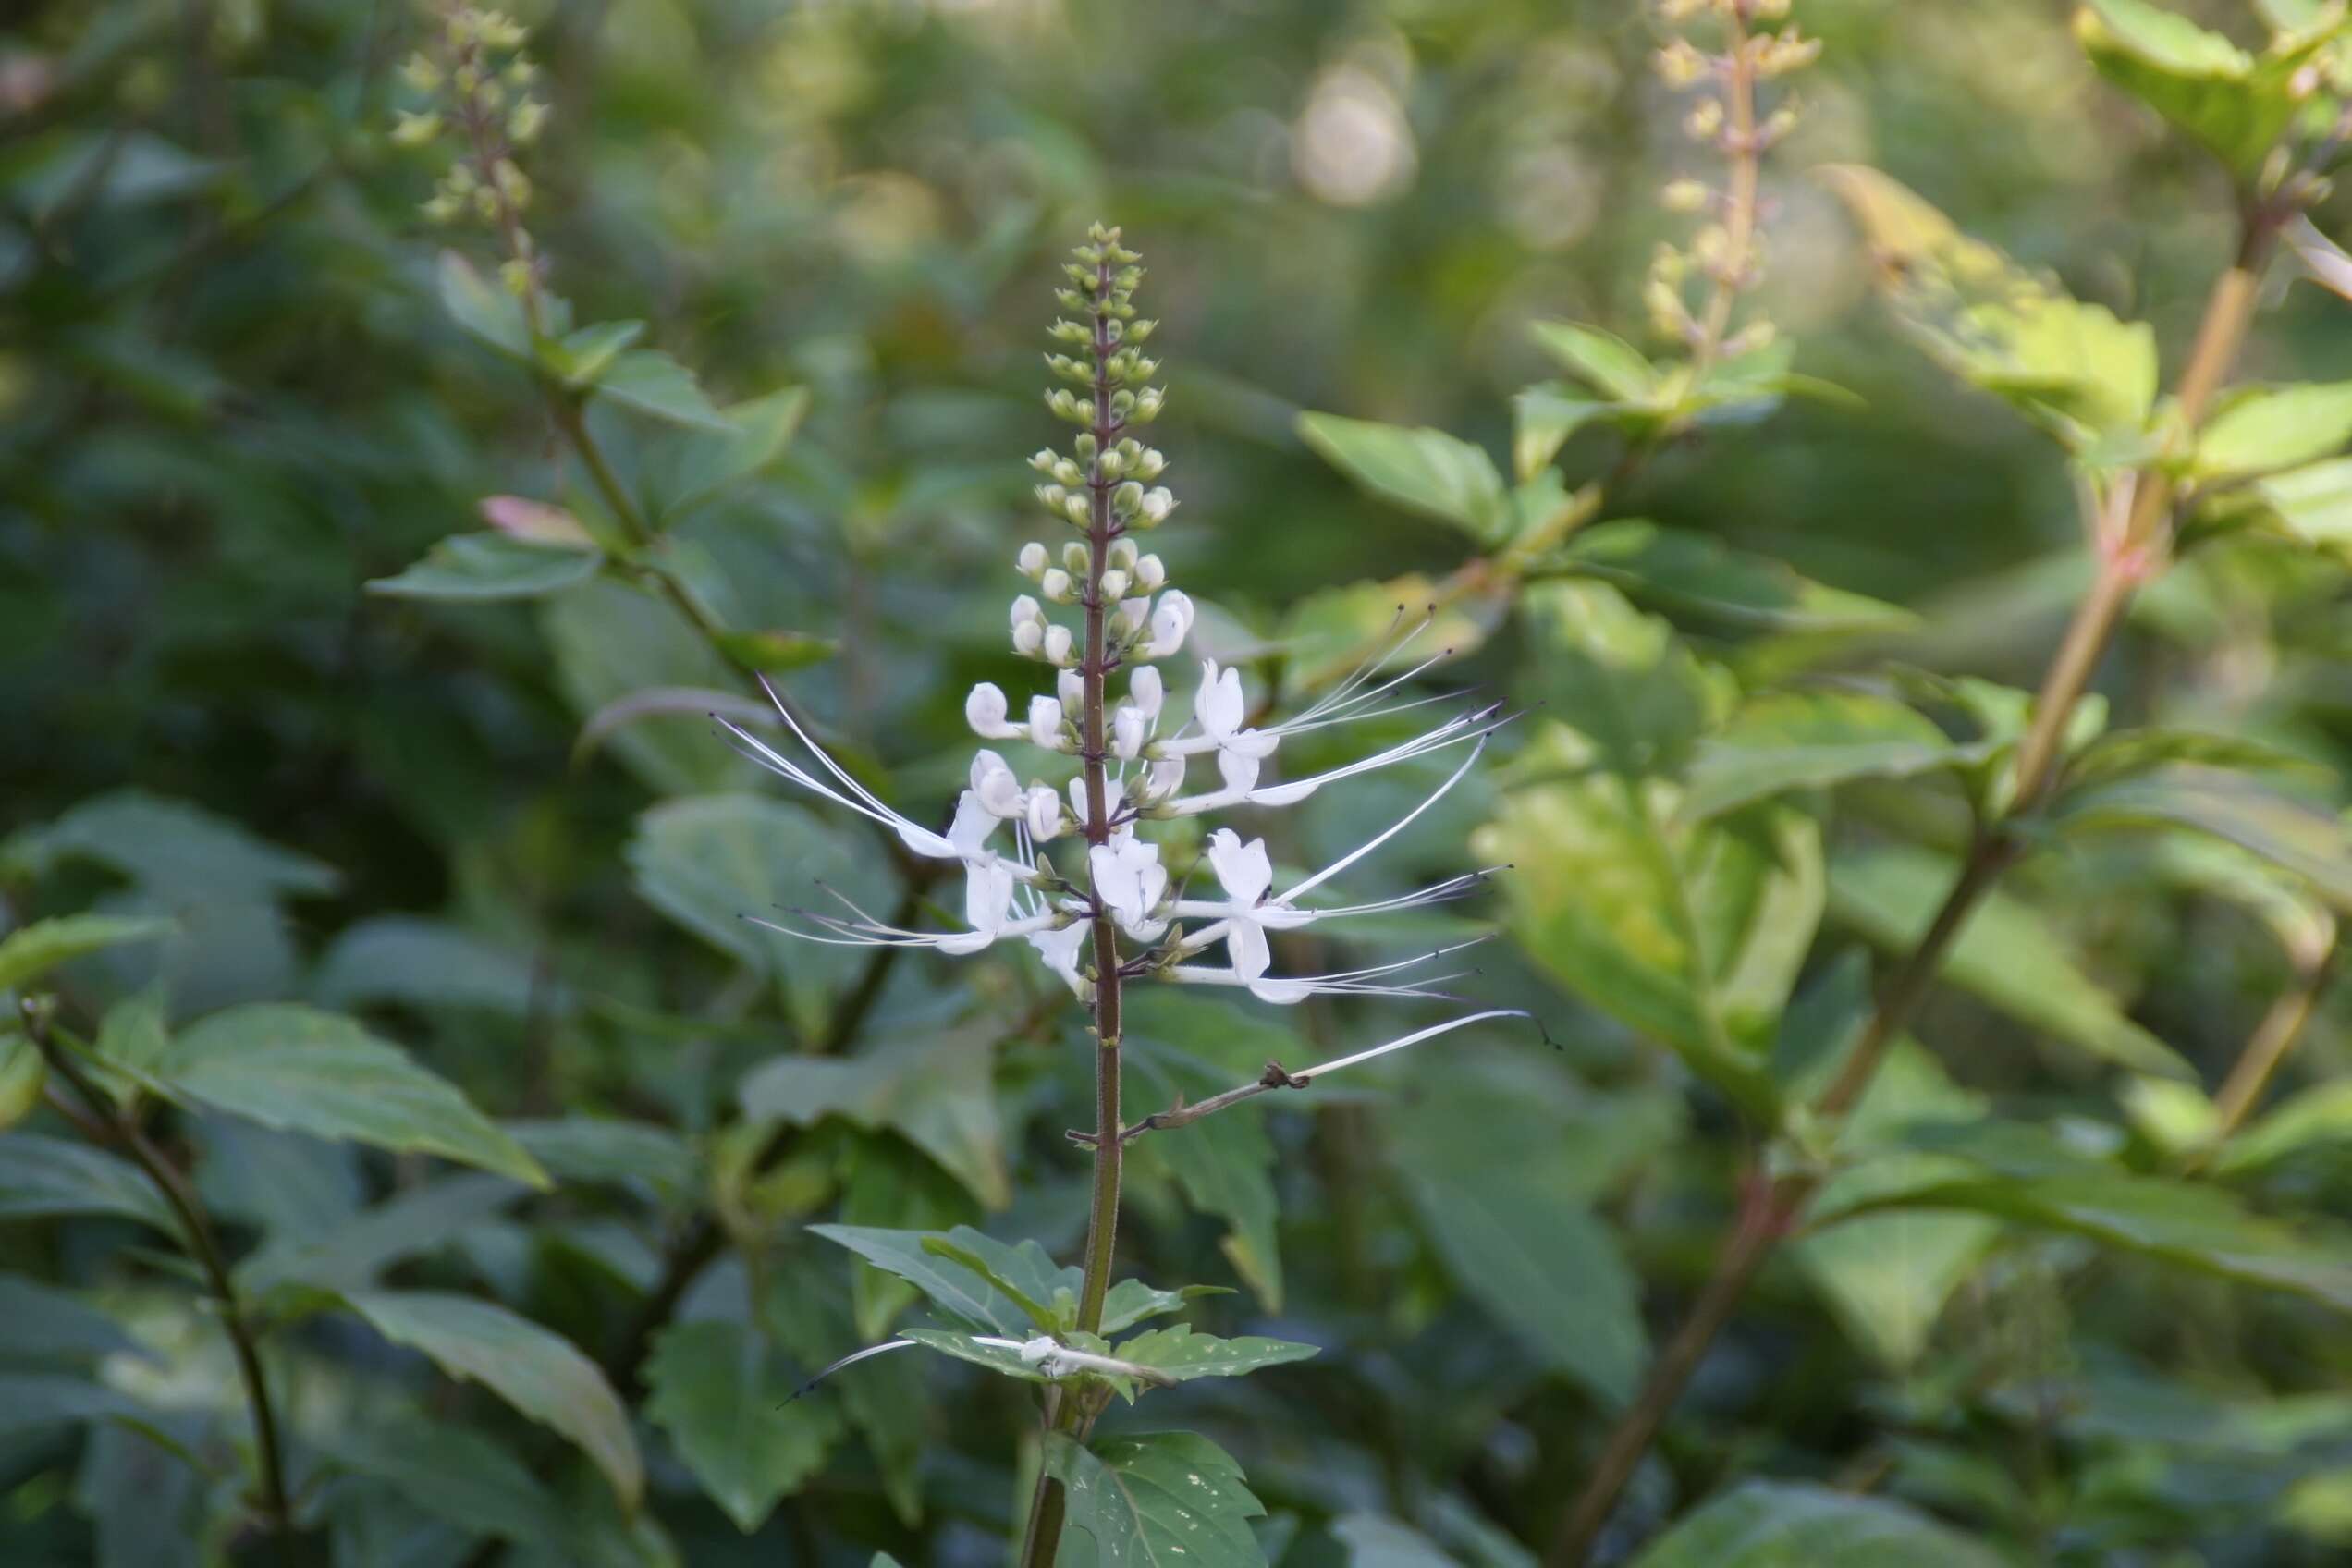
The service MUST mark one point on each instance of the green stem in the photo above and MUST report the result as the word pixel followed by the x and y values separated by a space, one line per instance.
pixel 200 1245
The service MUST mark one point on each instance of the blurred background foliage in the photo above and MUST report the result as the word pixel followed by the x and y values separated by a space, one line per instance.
pixel 230 397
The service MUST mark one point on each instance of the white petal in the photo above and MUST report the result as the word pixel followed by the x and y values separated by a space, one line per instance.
pixel 984 710
pixel 1240 772
pixel 1044 812
pixel 1045 722
pixel 1128 728
pixel 1245 944
pixel 1144 688
pixel 1220 705
pixel 1245 870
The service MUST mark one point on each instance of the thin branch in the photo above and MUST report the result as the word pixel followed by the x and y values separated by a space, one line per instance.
pixel 2272 1042
pixel 1275 1077
pixel 2130 555
pixel 106 1118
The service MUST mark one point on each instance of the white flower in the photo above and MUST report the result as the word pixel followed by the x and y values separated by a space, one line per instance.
pixel 984 710
pixel 1032 561
pixel 1058 644
pixel 1129 882
pixel 1071 686
pixel 994 786
pixel 1060 947
pixel 1045 722
pixel 1150 574
pixel 1144 690
pixel 1170 622
pixel 1128 620
pixel 1042 812
pixel 1158 503
pixel 1220 709
pixel 1056 585
pixel 1128 729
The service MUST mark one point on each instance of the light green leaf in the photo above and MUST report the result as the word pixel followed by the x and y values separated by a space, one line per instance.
pixel 581 358
pixel 491 565
pixel 2072 368
pixel 1770 1524
pixel 1621 679
pixel 2263 430
pixel 2192 1226
pixel 302 1070
pixel 1130 1300
pixel 933 1089
pixel 1888 1276
pixel 1542 418
pixel 952 1288
pixel 2006 954
pixel 1690 932
pixel 775 653
pixel 2316 1118
pixel 709 862
pixel 1546 1267
pixel 2311 843
pixel 651 382
pixel 1685 573
pixel 31 952
pixel 484 307
pixel 41 1178
pixel 1163 1499
pixel 1424 471
pixel 1811 739
pixel 2237 106
pixel 1609 364
pixel 712 1385
pixel 24 1073
pixel 532 1369
pixel 1185 1355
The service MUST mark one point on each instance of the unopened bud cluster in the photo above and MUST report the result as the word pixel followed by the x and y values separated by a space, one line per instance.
pixel 474 82
pixel 1725 257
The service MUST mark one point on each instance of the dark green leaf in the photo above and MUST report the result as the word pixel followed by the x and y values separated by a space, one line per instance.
pixel 491 565
pixel 453 1474
pixel 303 1071
pixel 1163 1499
pixel 1185 1355
pixel 2311 843
pixel 532 1369
pixel 651 382
pixel 712 1387
pixel 954 1288
pixel 1768 1524
pixel 936 1090
pixel 47 1324
pixel 2006 954
pixel 43 1177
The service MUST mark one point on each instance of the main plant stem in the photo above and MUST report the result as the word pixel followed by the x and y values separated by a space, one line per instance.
pixel 2129 556
pixel 1043 1538
pixel 120 1129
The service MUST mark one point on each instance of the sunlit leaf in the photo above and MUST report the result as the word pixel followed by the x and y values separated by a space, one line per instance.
pixel 1811 739
pixel 1423 471
pixel 1685 573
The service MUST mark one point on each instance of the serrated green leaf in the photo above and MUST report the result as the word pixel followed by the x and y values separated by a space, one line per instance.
pixel 2236 105
pixel 1542 418
pixel 710 860
pixel 1166 1498
pixel 651 382
pixel 41 1178
pixel 2267 429
pixel 1424 471
pixel 1183 1355
pixel 1544 1266
pixel 1130 1300
pixel 1888 1276
pixel 1023 1272
pixel 1771 1524
pixel 2073 368
pixel 581 358
pixel 1684 572
pixel 491 565
pixel 936 1090
pixel 712 1385
pixel 1609 364
pixel 300 1070
pixel 451 1473
pixel 28 953
pixel 697 466
pixel 484 307
pixel 2288 833
pixel 1811 739
pixel 1621 679
pixel 2006 954
pixel 954 1288
pixel 534 1369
